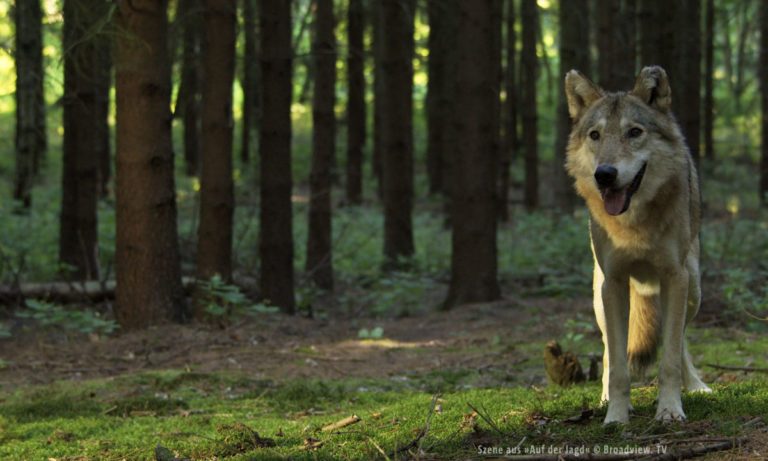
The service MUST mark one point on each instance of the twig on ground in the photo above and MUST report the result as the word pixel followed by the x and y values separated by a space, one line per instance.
pixel 695 451
pixel 342 423
pixel 423 430
pixel 732 368
pixel 376 445
pixel 488 420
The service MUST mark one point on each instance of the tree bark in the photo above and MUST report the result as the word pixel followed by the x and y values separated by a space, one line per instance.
pixel 30 103
pixel 709 69
pixel 356 117
pixel 188 97
pixel 319 264
pixel 276 218
pixel 510 140
pixel 616 43
pixel 574 54
pixel 251 98
pixel 397 125
pixel 763 78
pixel 378 94
pixel 147 266
pixel 78 236
pixel 473 260
pixel 217 203
pixel 530 19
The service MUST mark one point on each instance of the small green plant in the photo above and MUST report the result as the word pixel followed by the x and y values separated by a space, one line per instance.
pixel 83 321
pixel 746 293
pixel 376 333
pixel 224 301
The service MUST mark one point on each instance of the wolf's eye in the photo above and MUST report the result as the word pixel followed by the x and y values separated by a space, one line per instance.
pixel 594 135
pixel 634 132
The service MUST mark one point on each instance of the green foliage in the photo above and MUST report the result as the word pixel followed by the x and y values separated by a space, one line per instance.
pixel 224 301
pixel 375 333
pixel 83 321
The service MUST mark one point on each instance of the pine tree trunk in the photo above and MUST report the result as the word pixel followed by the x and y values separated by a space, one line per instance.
pixel 319 255
pixel 763 78
pixel 616 43
pixel 217 203
pixel 78 236
pixel 574 54
pixel 30 105
pixel 397 126
pixel 530 18
pixel 188 98
pixel 709 69
pixel 378 92
pixel 251 99
pixel 510 140
pixel 473 259
pixel 356 116
pixel 276 245
pixel 103 86
pixel 147 266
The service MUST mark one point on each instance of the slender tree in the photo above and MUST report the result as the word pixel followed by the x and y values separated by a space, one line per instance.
pixel 217 203
pixel 473 259
pixel 147 265
pixel 319 258
pixel 574 54
pixel 251 98
pixel 103 87
pixel 82 115
pixel 530 18
pixel 688 58
pixel 356 117
pixel 616 43
pixel 397 29
pixel 378 92
pixel 763 77
pixel 188 97
pixel 510 140
pixel 709 69
pixel 276 218
pixel 30 104
pixel 441 16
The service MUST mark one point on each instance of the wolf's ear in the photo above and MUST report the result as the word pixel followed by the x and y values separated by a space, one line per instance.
pixel 581 93
pixel 652 86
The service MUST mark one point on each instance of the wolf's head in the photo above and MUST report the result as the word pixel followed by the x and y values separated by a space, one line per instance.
pixel 617 137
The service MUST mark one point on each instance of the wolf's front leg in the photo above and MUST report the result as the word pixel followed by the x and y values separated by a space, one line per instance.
pixel 615 297
pixel 674 298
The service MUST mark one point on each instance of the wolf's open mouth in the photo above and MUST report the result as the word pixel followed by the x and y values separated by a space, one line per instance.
pixel 616 201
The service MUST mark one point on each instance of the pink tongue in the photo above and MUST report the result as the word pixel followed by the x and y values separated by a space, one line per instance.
pixel 614 200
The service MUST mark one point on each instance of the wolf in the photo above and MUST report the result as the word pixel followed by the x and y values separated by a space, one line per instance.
pixel 631 165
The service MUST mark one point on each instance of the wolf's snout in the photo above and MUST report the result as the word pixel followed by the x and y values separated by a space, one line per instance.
pixel 606 175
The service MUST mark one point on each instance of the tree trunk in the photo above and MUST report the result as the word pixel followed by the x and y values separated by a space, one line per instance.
pixel 511 141
pixel 217 203
pixel 188 97
pixel 397 125
pixel 78 236
pixel 276 218
pixel 378 94
pixel 103 86
pixel 356 117
pixel 473 260
pixel 30 103
pixel 251 99
pixel 688 84
pixel 709 70
pixel 530 18
pixel 574 54
pixel 763 77
pixel 319 255
pixel 147 266
pixel 615 43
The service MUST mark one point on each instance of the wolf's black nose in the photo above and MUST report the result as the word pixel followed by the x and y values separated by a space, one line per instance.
pixel 605 175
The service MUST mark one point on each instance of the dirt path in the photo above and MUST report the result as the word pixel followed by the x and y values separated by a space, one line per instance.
pixel 279 347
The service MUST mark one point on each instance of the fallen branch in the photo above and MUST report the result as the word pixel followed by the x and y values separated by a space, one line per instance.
pixel 342 423
pixel 67 292
pixel 732 368
pixel 695 451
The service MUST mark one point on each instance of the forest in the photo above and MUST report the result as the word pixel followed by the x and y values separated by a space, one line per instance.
pixel 318 229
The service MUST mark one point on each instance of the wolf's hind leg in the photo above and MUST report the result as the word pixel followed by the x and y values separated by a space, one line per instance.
pixel 691 380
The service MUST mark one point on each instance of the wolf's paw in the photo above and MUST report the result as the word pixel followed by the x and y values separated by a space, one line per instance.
pixel 670 415
pixel 617 414
pixel 702 388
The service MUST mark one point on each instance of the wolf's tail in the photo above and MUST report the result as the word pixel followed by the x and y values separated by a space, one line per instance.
pixel 643 330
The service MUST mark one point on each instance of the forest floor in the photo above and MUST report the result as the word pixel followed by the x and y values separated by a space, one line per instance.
pixel 482 346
